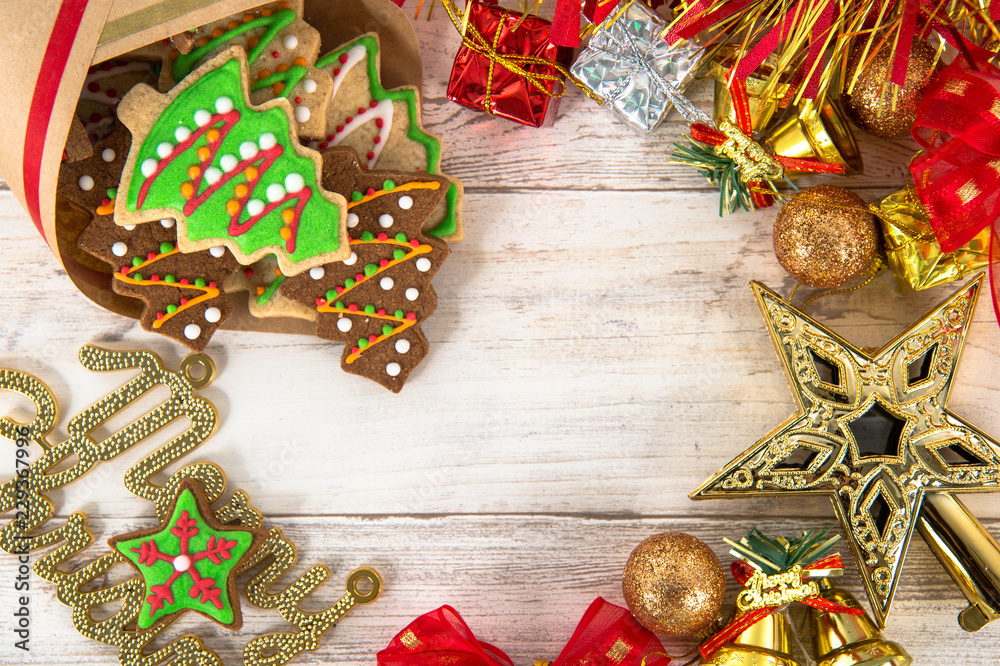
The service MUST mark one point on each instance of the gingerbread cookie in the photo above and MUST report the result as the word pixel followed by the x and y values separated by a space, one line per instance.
pixel 375 300
pixel 182 294
pixel 281 49
pixel 231 173
pixel 384 125
pixel 104 88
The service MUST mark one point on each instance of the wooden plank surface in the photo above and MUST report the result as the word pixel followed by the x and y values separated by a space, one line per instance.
pixel 596 354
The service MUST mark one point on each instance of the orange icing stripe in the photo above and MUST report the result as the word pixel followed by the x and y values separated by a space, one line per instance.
pixel 210 293
pixel 433 185
pixel 399 329
pixel 423 249
pixel 149 261
pixel 361 313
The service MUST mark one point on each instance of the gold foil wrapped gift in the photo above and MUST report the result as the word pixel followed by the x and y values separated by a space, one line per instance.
pixel 915 256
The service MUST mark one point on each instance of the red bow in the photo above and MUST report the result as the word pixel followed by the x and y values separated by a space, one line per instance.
pixel 742 572
pixel 958 178
pixel 607 634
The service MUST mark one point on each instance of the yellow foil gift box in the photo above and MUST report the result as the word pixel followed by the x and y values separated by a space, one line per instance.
pixel 914 254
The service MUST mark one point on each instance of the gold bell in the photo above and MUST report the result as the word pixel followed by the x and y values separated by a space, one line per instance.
pixel 766 643
pixel 840 639
pixel 820 132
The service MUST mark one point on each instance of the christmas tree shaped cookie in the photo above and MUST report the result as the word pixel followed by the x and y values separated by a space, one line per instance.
pixel 375 300
pixel 189 562
pixel 232 174
pixel 384 125
pixel 181 291
pixel 103 89
pixel 281 51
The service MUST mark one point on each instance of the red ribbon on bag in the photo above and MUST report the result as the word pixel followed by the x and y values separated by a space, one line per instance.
pixel 958 178
pixel 742 572
pixel 607 635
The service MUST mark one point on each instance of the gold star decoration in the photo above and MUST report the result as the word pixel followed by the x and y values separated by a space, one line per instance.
pixel 873 431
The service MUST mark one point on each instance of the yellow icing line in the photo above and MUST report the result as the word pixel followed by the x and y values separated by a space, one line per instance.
pixel 423 249
pixel 106 210
pixel 361 313
pixel 210 293
pixel 433 185
pixel 149 261
pixel 399 329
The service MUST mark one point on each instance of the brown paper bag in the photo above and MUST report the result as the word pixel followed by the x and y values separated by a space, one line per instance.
pixel 55 43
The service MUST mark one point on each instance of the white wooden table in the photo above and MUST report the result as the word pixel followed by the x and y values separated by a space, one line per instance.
pixel 596 354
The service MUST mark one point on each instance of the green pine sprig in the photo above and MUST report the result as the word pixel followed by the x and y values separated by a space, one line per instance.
pixel 773 556
pixel 719 170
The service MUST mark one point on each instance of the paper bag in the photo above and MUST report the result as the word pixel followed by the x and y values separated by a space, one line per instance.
pixel 55 43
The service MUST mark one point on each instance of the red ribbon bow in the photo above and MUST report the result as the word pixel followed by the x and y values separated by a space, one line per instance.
pixel 958 178
pixel 742 572
pixel 607 634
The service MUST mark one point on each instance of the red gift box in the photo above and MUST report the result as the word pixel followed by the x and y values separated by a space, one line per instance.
pixel 483 84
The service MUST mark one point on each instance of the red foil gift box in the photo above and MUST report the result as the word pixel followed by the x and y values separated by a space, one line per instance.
pixel 482 84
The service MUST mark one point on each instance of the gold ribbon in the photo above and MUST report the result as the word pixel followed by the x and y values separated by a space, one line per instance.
pixel 474 40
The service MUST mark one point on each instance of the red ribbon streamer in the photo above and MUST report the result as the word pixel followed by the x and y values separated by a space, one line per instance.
pixel 566 21
pixel 958 178
pixel 742 572
pixel 607 635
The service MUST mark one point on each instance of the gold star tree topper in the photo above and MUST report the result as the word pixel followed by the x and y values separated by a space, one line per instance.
pixel 872 431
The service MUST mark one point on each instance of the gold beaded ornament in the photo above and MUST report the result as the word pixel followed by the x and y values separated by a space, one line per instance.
pixel 23 498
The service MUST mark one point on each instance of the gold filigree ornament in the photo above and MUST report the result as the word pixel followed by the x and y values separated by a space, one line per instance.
pixel 201 534
pixel 873 431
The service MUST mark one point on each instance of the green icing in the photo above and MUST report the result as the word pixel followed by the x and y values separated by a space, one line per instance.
pixel 211 557
pixel 290 78
pixel 271 289
pixel 319 221
pixel 449 224
pixel 274 23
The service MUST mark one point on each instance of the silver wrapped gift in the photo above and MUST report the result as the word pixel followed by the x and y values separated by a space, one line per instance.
pixel 631 67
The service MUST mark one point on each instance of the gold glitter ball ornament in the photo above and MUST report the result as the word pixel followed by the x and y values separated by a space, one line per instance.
pixel 870 103
pixel 825 236
pixel 674 584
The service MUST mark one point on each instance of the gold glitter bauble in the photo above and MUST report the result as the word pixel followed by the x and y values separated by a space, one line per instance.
pixel 825 236
pixel 674 584
pixel 870 104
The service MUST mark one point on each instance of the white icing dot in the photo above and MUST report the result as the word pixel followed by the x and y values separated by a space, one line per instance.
pixel 386 283
pixel 406 202
pixel 344 324
pixel 316 272
pixel 352 220
pixel 167 222
pixel 212 175
pixel 213 315
pixel 274 192
pixel 267 140
pixel 86 183
pixel 350 261
pixel 393 369
pixel 108 155
pixel 201 117
pixel 402 345
pixel 181 134
pixel 129 227
pixel 223 105
pixel 192 331
pixel 255 206
pixel 182 562
pixel 228 162
pixel 302 114
pixel 412 294
pixel 217 251
pixel 164 149
pixel 309 86
pixel 148 167
pixel 385 220
pixel 248 149
pixel 119 249
pixel 423 264
pixel 294 182
pixel 290 41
